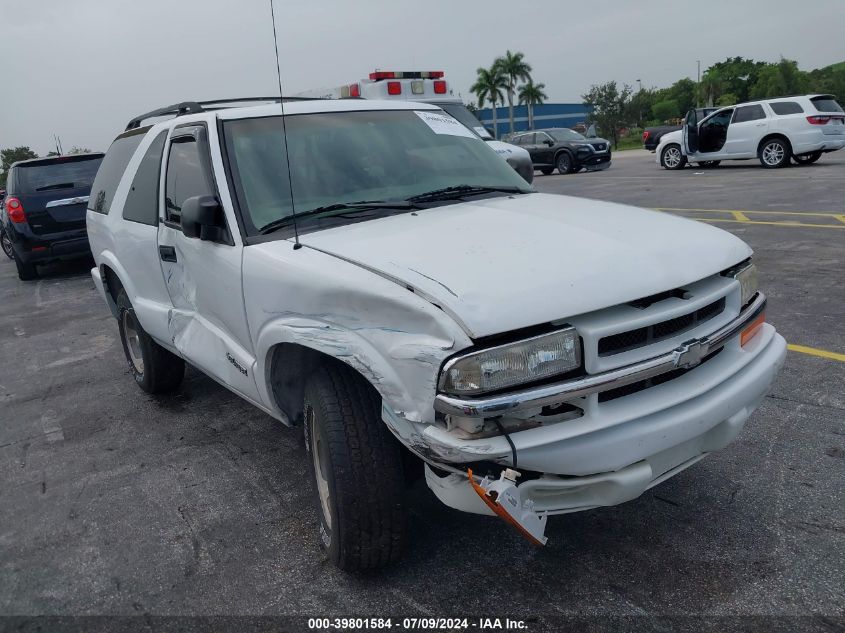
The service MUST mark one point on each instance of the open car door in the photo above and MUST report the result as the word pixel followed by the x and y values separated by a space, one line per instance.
pixel 691 133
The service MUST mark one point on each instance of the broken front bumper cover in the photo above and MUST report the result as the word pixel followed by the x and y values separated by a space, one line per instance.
pixel 687 355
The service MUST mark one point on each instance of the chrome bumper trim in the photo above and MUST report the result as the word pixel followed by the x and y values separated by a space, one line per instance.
pixel 687 355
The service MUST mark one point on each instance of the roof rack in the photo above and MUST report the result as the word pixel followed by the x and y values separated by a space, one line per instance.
pixel 194 107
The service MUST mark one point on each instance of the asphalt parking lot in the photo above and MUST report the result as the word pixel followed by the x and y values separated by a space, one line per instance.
pixel 116 502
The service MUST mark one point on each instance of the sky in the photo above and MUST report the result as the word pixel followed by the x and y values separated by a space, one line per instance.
pixel 82 68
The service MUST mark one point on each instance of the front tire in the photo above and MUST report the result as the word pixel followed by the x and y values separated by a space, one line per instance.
pixel 672 158
pixel 357 470
pixel 155 369
pixel 563 162
pixel 807 159
pixel 6 244
pixel 26 271
pixel 774 153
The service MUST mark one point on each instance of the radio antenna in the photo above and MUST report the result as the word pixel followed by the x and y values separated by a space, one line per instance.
pixel 296 245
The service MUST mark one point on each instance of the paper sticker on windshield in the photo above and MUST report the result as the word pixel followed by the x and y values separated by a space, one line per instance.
pixel 441 123
pixel 482 132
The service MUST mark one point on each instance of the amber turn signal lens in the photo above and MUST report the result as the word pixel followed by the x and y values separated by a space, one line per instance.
pixel 749 332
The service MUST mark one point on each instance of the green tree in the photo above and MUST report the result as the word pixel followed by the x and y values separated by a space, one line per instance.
pixel 79 150
pixel 727 99
pixel 779 80
pixel 515 69
pixel 665 110
pixel 609 107
pixel 683 92
pixel 13 155
pixel 532 94
pixel 735 75
pixel 488 86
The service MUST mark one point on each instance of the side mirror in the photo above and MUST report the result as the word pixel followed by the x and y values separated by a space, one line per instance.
pixel 202 217
pixel 549 142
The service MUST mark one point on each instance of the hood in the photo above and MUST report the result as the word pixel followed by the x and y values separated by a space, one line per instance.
pixel 506 263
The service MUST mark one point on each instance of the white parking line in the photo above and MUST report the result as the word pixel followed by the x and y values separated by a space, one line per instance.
pixel 51 427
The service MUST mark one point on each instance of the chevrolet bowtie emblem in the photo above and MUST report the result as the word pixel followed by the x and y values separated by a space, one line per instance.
pixel 691 353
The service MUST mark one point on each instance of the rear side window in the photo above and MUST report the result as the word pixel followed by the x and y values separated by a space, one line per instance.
pixel 786 107
pixel 111 171
pixel 749 113
pixel 826 104
pixel 57 175
pixel 186 176
pixel 142 200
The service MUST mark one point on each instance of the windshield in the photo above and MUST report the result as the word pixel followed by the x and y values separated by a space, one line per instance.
pixel 348 157
pixel 564 134
pixel 462 114
pixel 72 173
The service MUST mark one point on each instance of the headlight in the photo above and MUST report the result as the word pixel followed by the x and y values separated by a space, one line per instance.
pixel 746 274
pixel 512 364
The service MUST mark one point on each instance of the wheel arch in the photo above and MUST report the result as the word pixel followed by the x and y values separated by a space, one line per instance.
pixel 773 135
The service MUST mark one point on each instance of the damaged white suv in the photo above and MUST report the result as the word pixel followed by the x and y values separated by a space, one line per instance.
pixel 375 273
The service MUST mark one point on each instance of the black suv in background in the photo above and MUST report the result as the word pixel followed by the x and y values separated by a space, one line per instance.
pixel 44 210
pixel 564 149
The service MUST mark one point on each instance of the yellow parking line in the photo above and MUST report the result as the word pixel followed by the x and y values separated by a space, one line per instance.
pixel 812 351
pixel 813 213
pixel 739 216
pixel 783 223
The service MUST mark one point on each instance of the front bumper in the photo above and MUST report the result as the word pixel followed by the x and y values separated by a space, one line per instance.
pixel 637 442
pixel 594 162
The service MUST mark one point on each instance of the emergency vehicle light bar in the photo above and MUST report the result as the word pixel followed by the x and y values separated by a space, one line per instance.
pixel 392 74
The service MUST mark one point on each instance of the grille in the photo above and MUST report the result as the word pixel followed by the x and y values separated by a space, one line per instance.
pixel 627 390
pixel 600 146
pixel 632 339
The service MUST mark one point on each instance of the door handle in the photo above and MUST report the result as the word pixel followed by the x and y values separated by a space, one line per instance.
pixel 167 253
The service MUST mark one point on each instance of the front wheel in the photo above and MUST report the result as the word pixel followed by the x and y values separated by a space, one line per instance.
pixel 672 158
pixel 564 163
pixel 154 368
pixel 6 244
pixel 357 469
pixel 774 153
pixel 807 159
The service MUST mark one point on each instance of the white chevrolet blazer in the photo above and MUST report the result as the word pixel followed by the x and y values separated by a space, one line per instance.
pixel 374 273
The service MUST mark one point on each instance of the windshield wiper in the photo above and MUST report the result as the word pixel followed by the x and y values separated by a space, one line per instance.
pixel 58 185
pixel 459 191
pixel 330 209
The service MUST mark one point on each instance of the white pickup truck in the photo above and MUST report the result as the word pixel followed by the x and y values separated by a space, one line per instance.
pixel 373 273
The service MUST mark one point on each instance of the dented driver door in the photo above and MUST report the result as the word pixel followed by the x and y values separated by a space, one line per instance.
pixel 207 323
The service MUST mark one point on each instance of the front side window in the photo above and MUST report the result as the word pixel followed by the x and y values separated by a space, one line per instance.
pixel 749 113
pixel 347 157
pixel 186 175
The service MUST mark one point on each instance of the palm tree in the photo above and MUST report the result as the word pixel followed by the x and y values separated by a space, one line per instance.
pixel 488 87
pixel 515 69
pixel 532 94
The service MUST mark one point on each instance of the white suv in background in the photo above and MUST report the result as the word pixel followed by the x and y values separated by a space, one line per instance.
pixel 400 293
pixel 773 131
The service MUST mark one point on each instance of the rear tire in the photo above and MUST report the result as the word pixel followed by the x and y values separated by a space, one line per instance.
pixel 774 153
pixel 26 271
pixel 357 470
pixel 807 159
pixel 547 171
pixel 6 244
pixel 563 162
pixel 672 158
pixel 155 369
